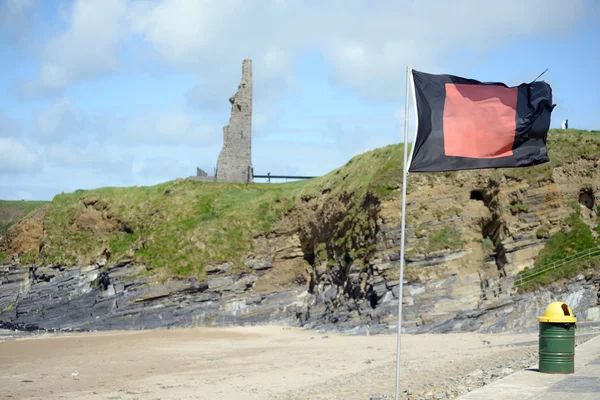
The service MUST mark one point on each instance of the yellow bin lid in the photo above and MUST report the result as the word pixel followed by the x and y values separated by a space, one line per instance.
pixel 558 312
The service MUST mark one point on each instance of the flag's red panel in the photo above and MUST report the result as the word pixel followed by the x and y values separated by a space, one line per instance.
pixel 479 120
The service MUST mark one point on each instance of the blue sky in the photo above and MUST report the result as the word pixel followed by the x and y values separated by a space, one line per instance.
pixel 135 92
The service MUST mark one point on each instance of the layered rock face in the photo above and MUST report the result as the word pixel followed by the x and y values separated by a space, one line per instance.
pixel 94 297
pixel 97 298
pixel 468 235
pixel 235 163
pixel 503 224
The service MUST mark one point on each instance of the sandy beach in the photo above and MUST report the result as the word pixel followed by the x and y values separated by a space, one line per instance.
pixel 266 362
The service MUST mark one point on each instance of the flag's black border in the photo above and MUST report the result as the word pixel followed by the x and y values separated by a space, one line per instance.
pixel 534 108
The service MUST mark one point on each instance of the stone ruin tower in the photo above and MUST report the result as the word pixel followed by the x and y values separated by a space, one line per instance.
pixel 235 162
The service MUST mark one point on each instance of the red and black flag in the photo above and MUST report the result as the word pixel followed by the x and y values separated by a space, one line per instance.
pixel 467 124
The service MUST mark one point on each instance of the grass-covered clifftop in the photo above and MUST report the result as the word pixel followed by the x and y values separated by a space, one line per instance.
pixel 178 227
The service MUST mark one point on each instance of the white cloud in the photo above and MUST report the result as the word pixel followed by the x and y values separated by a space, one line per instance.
pixel 211 96
pixel 63 156
pixel 15 20
pixel 210 38
pixel 70 157
pixel 70 137
pixel 58 122
pixel 372 43
pixel 171 127
pixel 15 7
pixel 16 157
pixel 9 126
pixel 88 48
pixel 368 44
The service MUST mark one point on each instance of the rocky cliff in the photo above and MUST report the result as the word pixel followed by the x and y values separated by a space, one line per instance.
pixel 328 259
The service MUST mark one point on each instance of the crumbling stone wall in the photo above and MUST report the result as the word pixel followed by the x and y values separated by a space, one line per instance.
pixel 201 176
pixel 234 163
pixel 200 172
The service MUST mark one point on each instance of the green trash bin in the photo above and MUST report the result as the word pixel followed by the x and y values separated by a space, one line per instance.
pixel 557 340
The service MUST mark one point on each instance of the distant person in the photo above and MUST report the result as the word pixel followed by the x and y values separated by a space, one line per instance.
pixel 565 124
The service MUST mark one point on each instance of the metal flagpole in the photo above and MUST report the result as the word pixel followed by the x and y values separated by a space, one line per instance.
pixel 540 75
pixel 401 278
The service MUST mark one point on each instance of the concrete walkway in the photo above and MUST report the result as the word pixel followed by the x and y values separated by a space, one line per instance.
pixel 529 384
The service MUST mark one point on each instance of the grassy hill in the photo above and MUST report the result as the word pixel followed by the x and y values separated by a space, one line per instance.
pixel 177 227
pixel 13 211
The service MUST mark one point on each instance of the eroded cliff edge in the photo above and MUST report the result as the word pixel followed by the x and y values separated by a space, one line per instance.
pixel 328 258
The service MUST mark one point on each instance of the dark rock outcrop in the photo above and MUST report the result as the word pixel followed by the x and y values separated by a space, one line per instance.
pixel 93 297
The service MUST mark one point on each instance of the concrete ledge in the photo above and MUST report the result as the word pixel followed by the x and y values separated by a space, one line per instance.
pixel 531 384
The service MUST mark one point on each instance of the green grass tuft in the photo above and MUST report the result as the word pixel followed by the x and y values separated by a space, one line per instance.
pixel 439 239
pixel 518 208
pixel 561 244
pixel 542 233
pixel 445 239
pixel 578 238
